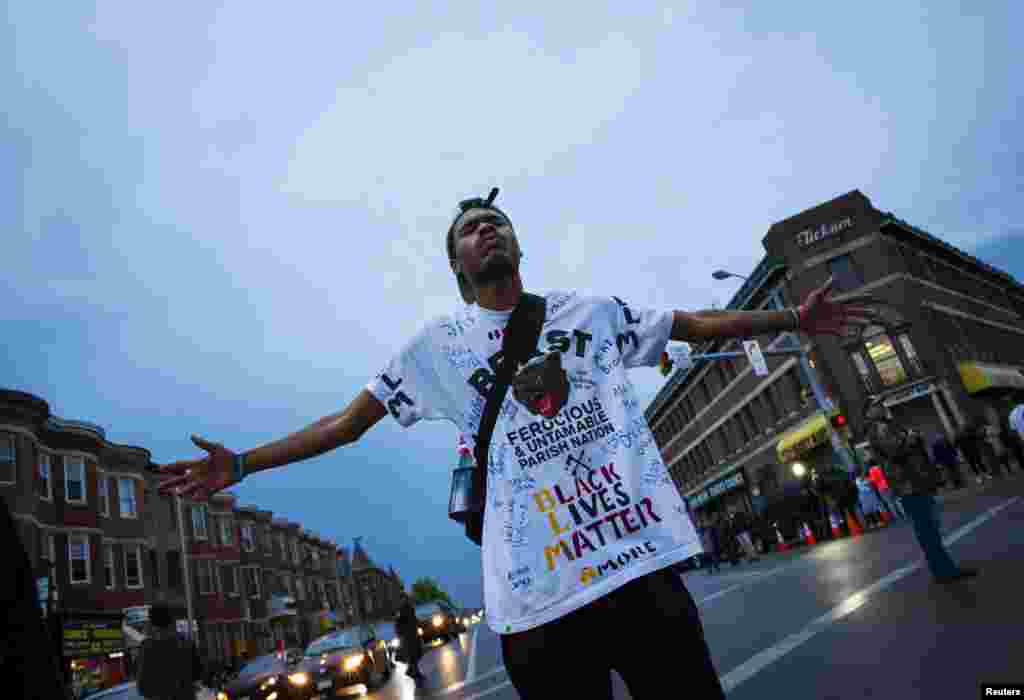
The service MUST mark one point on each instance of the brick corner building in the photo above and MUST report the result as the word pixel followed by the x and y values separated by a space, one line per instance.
pixel 950 353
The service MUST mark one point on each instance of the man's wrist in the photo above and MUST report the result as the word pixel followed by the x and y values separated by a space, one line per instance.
pixel 239 467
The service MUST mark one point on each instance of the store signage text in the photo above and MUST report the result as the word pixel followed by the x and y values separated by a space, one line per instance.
pixel 813 235
pixel 92 638
pixel 716 489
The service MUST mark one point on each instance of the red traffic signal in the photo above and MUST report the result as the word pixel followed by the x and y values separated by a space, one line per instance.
pixel 838 421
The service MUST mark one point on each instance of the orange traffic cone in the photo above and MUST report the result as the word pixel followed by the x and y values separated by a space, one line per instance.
pixel 836 531
pixel 809 536
pixel 782 545
pixel 855 529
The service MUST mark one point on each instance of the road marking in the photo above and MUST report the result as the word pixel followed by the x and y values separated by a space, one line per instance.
pixel 760 661
pixel 471 672
pixel 462 684
pixel 765 658
pixel 754 575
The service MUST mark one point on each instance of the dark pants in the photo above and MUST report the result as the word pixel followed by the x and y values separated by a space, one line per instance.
pixel 924 515
pixel 645 627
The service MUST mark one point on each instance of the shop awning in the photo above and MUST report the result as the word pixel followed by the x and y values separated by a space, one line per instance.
pixel 978 376
pixel 810 434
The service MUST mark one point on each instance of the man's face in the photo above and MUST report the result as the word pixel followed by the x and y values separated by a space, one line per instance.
pixel 486 249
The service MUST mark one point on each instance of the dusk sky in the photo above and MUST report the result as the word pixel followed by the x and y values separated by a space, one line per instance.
pixel 222 218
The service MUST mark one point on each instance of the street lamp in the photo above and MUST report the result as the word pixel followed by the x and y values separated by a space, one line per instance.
pixel 724 275
pixel 806 368
pixel 799 470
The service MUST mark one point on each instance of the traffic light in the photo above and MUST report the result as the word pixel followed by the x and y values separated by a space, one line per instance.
pixel 838 421
pixel 665 364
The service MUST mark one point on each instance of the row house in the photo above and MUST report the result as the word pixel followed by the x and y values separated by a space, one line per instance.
pixel 106 543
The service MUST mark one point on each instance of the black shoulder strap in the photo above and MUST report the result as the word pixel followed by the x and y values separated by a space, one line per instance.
pixel 518 343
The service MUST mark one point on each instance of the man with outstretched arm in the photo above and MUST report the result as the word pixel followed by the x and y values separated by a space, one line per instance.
pixel 582 521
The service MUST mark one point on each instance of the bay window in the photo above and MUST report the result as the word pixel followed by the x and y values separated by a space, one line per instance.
pixel 74 479
pixel 132 566
pixel 126 497
pixel 79 570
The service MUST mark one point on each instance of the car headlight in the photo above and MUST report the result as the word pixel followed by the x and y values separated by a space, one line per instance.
pixel 438 620
pixel 420 630
pixel 353 662
pixel 268 683
pixel 222 696
pixel 299 678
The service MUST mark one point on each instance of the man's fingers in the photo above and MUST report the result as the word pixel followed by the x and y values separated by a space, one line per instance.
pixel 204 444
pixel 177 467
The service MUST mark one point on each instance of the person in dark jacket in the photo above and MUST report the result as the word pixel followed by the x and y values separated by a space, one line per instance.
pixel 944 456
pixel 968 443
pixel 914 481
pixel 169 664
pixel 29 656
pixel 407 626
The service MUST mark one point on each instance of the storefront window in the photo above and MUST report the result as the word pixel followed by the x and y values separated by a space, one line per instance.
pixel 908 351
pixel 862 369
pixel 887 362
pixel 199 522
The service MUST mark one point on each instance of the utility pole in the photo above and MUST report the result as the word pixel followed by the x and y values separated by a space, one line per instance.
pixel 184 566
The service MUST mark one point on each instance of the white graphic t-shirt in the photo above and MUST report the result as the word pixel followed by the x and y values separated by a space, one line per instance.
pixel 578 504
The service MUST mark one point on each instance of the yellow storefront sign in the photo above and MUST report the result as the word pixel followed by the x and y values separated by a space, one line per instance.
pixel 812 433
pixel 978 376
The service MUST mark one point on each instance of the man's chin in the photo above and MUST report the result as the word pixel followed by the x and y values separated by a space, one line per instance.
pixel 498 268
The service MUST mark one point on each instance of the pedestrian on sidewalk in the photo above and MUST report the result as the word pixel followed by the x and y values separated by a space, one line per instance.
pixel 914 482
pixel 743 523
pixel 999 450
pixel 968 443
pixel 169 664
pixel 710 542
pixel 944 456
pixel 448 371
pixel 868 499
pixel 1015 434
pixel 892 503
pixel 411 645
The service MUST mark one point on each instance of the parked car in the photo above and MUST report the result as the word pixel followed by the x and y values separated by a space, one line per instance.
pixel 348 660
pixel 268 675
pixel 438 621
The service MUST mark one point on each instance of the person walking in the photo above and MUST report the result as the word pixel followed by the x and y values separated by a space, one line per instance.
pixel 944 456
pixel 967 442
pixel 892 503
pixel 407 626
pixel 868 500
pixel 541 598
pixel 914 482
pixel 743 524
pixel 998 449
pixel 169 664
pixel 710 544
pixel 30 657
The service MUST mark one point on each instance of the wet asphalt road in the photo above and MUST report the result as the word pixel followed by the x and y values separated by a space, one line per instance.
pixel 855 618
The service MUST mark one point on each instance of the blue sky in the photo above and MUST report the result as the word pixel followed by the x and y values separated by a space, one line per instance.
pixel 221 218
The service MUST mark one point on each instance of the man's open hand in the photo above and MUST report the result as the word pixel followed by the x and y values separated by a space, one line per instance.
pixel 822 315
pixel 199 479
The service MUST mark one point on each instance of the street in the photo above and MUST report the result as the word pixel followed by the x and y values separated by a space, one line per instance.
pixel 853 618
